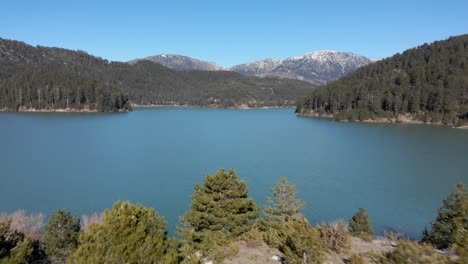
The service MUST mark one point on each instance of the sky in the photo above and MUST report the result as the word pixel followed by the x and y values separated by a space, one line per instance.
pixel 232 32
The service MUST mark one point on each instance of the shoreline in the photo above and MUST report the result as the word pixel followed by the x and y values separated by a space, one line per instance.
pixel 87 110
pixel 400 119
pixel 238 107
pixel 58 110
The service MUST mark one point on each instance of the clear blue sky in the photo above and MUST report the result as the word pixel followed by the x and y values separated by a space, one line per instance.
pixel 232 32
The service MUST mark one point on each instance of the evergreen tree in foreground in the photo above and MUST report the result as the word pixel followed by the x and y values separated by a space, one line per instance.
pixel 451 225
pixel 285 204
pixel 129 234
pixel 220 211
pixel 61 236
pixel 289 231
pixel 361 226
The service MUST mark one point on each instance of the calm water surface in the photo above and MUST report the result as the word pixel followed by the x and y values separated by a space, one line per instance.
pixel 86 162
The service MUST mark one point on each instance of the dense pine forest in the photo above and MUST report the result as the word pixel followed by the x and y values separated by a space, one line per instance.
pixel 222 225
pixel 55 78
pixel 428 84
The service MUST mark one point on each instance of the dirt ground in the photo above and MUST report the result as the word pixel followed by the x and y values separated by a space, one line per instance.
pixel 263 254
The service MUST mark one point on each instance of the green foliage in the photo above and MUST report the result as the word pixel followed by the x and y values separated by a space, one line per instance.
pixel 356 259
pixel 61 237
pixel 430 82
pixel 450 227
pixel 129 234
pixel 297 240
pixel 14 247
pixel 335 236
pixel 284 201
pixel 220 211
pixel 410 252
pixel 361 226
pixel 253 237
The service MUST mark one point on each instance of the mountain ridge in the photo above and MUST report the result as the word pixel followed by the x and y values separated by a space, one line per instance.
pixel 316 67
pixel 181 62
pixel 51 79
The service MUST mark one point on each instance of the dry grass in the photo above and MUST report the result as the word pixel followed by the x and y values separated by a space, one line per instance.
pixel 32 226
pixel 335 236
pixel 88 220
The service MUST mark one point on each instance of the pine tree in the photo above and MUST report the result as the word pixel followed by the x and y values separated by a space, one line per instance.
pixel 220 210
pixel 129 234
pixel 61 235
pixel 451 224
pixel 361 226
pixel 285 204
pixel 289 231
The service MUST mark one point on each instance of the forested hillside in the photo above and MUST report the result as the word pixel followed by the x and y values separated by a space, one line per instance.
pixel 40 78
pixel 54 78
pixel 428 84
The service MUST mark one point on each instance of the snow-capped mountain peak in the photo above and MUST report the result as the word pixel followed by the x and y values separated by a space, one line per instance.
pixel 318 67
pixel 181 63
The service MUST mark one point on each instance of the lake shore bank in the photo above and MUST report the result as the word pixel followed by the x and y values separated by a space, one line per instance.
pixel 399 119
pixel 58 110
pixel 237 107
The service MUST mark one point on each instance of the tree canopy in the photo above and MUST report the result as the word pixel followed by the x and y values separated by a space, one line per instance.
pixel 61 235
pixel 451 225
pixel 430 82
pixel 220 210
pixel 129 234
pixel 284 204
pixel 53 78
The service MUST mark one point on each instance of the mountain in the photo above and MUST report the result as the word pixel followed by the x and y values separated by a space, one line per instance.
pixel 318 67
pixel 181 63
pixel 45 78
pixel 424 84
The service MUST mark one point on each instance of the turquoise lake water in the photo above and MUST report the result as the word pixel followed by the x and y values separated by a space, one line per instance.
pixel 86 162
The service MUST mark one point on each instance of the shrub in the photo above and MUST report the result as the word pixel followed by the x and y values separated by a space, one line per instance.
pixel 410 252
pixel 129 234
pixel 356 259
pixel 297 240
pixel 335 236
pixel 361 226
pixel 253 237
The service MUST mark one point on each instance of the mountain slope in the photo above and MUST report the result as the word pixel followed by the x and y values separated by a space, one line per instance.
pixel 51 79
pixel 257 68
pixel 428 84
pixel 54 78
pixel 319 67
pixel 181 63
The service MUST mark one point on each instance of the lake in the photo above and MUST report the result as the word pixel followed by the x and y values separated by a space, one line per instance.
pixel 154 156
